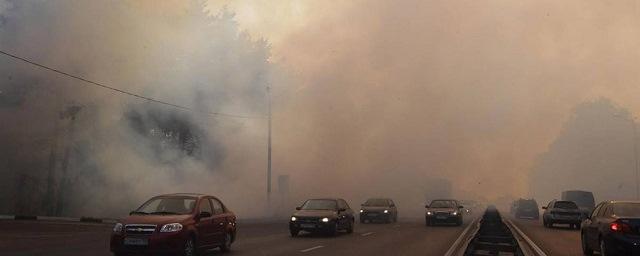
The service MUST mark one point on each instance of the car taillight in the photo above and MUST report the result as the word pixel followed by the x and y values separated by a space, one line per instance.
pixel 619 227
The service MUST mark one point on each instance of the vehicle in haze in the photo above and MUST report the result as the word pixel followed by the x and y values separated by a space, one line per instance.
pixel 584 200
pixel 444 211
pixel 562 212
pixel 327 215
pixel 178 224
pixel 378 209
pixel 613 228
pixel 526 209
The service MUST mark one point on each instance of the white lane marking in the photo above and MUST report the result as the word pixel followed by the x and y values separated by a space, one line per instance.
pixel 456 244
pixel 312 248
pixel 366 234
pixel 530 242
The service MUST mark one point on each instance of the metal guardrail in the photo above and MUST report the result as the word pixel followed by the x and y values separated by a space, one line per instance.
pixel 529 247
pixel 492 234
pixel 460 245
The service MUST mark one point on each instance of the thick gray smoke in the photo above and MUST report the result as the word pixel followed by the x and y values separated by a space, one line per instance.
pixel 108 151
pixel 594 152
pixel 408 99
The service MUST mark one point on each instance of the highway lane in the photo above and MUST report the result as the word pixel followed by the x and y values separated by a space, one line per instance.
pixel 559 240
pixel 402 238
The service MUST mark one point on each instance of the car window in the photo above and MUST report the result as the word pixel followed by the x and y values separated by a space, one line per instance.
pixel 376 202
pixel 346 205
pixel 205 206
pixel 626 209
pixel 550 205
pixel 528 204
pixel 565 205
pixel 442 204
pixel 342 204
pixel 608 211
pixel 217 206
pixel 320 204
pixel 169 205
pixel 596 211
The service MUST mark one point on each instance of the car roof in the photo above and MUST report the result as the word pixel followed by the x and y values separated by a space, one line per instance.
pixel 563 201
pixel 186 194
pixel 627 202
pixel 334 199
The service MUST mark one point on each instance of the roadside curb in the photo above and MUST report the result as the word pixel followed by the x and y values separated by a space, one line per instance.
pixel 64 219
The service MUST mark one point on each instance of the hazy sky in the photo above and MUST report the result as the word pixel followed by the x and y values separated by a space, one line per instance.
pixel 470 90
pixel 371 98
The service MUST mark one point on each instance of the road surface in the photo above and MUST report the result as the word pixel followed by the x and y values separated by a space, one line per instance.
pixel 402 238
pixel 559 240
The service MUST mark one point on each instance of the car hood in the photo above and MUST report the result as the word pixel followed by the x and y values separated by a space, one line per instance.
pixel 314 213
pixel 155 219
pixel 375 208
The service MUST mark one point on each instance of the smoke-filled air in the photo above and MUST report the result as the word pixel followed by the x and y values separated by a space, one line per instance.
pixel 413 100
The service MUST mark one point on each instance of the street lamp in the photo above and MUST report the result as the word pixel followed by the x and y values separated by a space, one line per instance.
pixel 635 148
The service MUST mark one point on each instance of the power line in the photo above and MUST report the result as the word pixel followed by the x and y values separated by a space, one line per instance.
pixel 87 81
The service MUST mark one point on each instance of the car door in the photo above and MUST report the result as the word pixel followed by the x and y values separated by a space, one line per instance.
pixel 343 216
pixel 546 213
pixel 205 225
pixel 219 221
pixel 349 212
pixel 394 210
pixel 591 226
pixel 606 217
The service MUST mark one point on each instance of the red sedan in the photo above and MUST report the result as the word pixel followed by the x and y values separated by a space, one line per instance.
pixel 182 224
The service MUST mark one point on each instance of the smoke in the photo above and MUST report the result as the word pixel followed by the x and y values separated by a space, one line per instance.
pixel 594 152
pixel 121 150
pixel 406 99
pixel 393 94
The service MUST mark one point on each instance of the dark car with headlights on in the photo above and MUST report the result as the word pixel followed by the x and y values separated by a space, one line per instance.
pixel 322 215
pixel 613 228
pixel 526 209
pixel 562 212
pixel 443 211
pixel 175 224
pixel 378 209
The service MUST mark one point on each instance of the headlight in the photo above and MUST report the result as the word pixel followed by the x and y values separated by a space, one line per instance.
pixel 429 213
pixel 361 211
pixel 325 219
pixel 386 211
pixel 454 213
pixel 293 218
pixel 117 228
pixel 173 227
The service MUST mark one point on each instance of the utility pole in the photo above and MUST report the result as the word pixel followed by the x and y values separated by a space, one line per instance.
pixel 635 155
pixel 269 149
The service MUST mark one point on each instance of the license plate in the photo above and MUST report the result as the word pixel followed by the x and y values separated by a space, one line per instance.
pixel 307 226
pixel 135 241
pixel 372 214
pixel 441 217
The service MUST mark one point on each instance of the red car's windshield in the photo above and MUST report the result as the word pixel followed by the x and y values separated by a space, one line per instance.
pixel 168 205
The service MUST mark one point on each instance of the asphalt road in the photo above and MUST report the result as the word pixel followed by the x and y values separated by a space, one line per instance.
pixel 402 238
pixel 559 240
